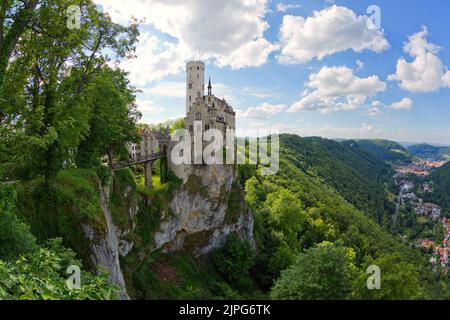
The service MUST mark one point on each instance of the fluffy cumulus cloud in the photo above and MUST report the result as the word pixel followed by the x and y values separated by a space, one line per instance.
pixel 228 32
pixel 404 104
pixel 263 111
pixel 331 30
pixel 167 89
pixel 426 72
pixel 335 89
pixel 155 60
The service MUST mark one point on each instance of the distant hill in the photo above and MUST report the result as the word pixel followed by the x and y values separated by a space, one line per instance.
pixel 389 151
pixel 355 173
pixel 426 151
pixel 441 186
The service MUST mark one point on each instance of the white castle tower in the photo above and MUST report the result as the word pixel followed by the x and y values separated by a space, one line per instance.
pixel 206 111
pixel 195 82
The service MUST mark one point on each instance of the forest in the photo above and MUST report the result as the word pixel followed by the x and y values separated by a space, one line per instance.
pixel 65 107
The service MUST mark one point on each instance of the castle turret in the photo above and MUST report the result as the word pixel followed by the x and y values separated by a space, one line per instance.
pixel 195 82
pixel 209 88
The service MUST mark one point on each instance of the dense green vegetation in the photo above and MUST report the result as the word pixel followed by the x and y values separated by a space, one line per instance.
pixel 284 236
pixel 30 270
pixel 389 151
pixel 356 174
pixel 312 240
pixel 61 106
pixel 441 185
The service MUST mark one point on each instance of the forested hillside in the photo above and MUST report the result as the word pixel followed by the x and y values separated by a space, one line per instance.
pixel 441 185
pixel 390 151
pixel 356 174
pixel 297 209
pixel 426 151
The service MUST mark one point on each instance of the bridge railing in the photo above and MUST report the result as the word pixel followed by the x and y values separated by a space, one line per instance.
pixel 141 159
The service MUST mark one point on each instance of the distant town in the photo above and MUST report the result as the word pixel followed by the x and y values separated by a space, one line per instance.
pixel 405 178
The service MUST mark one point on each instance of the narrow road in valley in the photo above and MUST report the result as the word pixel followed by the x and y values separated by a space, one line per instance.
pixel 397 210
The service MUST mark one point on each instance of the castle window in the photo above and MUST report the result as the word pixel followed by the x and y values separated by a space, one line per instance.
pixel 190 85
pixel 190 98
pixel 198 68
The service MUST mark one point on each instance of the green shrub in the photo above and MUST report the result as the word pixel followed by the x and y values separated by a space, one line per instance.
pixel 234 261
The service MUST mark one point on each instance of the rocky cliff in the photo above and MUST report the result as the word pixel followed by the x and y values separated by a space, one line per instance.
pixel 195 217
pixel 204 211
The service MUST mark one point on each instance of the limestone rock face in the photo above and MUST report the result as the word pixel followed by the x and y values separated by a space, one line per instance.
pixel 202 212
pixel 206 208
pixel 105 248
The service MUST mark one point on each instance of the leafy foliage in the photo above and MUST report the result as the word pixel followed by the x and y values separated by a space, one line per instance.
pixel 43 276
pixel 234 261
pixel 15 235
pixel 322 272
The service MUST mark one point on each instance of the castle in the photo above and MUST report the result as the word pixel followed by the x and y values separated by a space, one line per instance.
pixel 214 113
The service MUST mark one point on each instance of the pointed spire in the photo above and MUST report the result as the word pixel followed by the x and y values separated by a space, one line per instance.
pixel 209 87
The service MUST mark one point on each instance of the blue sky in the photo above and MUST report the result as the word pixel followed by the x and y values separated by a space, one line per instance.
pixel 306 67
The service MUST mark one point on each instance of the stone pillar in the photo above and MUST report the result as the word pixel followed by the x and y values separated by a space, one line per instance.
pixel 148 174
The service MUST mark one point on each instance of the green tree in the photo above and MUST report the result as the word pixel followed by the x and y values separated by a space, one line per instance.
pixel 177 124
pixel 235 260
pixel 399 280
pixel 113 118
pixel 47 114
pixel 15 235
pixel 15 17
pixel 322 272
pixel 288 216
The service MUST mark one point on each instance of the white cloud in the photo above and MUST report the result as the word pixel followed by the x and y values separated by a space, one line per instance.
pixel 404 104
pixel 167 89
pixel 359 64
pixel 148 107
pixel 231 33
pixel 426 73
pixel 331 30
pixel 263 111
pixel 155 60
pixel 335 89
pixel 283 7
pixel 374 109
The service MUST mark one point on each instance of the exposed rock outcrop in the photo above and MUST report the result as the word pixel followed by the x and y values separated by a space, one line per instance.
pixel 197 218
pixel 106 248
pixel 209 206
